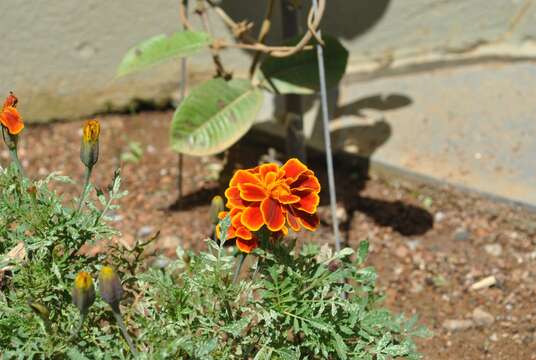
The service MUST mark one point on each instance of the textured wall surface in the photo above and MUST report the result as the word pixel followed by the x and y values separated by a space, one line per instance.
pixel 60 55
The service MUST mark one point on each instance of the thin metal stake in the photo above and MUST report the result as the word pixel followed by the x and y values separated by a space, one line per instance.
pixel 327 138
pixel 182 95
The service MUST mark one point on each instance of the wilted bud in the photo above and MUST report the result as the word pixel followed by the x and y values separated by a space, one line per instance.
pixel 110 287
pixel 40 309
pixel 89 150
pixel 10 117
pixel 11 122
pixel 83 292
pixel 216 207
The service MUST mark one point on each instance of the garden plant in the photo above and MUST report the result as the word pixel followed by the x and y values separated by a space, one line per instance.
pixel 264 298
pixel 218 112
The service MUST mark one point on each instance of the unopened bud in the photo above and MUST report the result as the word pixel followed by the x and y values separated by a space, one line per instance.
pixel 110 287
pixel 83 293
pixel 216 207
pixel 89 150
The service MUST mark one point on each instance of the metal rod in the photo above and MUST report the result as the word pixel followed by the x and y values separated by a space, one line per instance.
pixel 295 141
pixel 182 95
pixel 327 138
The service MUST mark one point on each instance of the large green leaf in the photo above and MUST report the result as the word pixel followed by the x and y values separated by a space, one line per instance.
pixel 298 74
pixel 161 48
pixel 214 116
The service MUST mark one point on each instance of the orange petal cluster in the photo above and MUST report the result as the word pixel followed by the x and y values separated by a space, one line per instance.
pixel 271 196
pixel 10 117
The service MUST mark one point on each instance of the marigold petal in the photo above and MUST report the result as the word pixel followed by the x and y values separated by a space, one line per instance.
pixel 309 202
pixel 251 192
pixel 12 120
pixel 306 182
pixel 11 100
pixel 294 168
pixel 288 199
pixel 246 246
pixel 232 193
pixel 272 214
pixel 242 177
pixel 264 169
pixel 233 198
pixel 235 221
pixel 292 220
pixel 308 221
pixel 251 218
pixel 243 233
pixel 270 178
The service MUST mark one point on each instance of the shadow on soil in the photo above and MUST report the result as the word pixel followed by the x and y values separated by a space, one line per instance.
pixel 351 173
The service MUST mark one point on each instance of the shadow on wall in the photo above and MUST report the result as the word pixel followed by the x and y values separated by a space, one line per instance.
pixel 345 19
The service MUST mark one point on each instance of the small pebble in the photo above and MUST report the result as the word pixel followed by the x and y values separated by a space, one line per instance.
pixel 439 216
pixel 145 231
pixel 461 234
pixel 457 325
pixel 484 283
pixel 493 249
pixel 482 318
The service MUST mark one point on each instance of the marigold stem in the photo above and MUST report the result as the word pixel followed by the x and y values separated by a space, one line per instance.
pixel 87 176
pixel 15 159
pixel 239 267
pixel 123 328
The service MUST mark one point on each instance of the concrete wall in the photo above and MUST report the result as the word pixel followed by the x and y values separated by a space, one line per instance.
pixel 60 56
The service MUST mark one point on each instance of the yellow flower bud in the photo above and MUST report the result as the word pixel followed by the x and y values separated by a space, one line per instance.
pixel 110 287
pixel 83 293
pixel 216 206
pixel 89 150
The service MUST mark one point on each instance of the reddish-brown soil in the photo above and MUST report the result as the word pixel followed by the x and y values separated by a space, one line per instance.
pixel 429 244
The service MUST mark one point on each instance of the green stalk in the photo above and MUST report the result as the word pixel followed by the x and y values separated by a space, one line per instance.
pixel 87 176
pixel 127 337
pixel 15 159
pixel 78 329
pixel 239 267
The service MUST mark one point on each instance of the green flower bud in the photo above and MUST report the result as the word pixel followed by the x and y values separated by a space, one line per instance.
pixel 216 206
pixel 40 309
pixel 83 293
pixel 110 287
pixel 10 139
pixel 89 150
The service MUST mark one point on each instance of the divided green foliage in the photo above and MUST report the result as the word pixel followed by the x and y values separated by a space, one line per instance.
pixel 298 74
pixel 161 48
pixel 214 116
pixel 306 304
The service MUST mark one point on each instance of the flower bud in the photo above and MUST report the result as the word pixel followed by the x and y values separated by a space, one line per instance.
pixel 83 293
pixel 89 150
pixel 10 139
pixel 110 287
pixel 216 207
pixel 40 309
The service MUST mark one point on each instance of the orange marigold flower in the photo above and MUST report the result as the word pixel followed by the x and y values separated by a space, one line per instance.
pixel 10 117
pixel 275 196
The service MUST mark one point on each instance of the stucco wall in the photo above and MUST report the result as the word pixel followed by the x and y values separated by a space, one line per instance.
pixel 60 55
